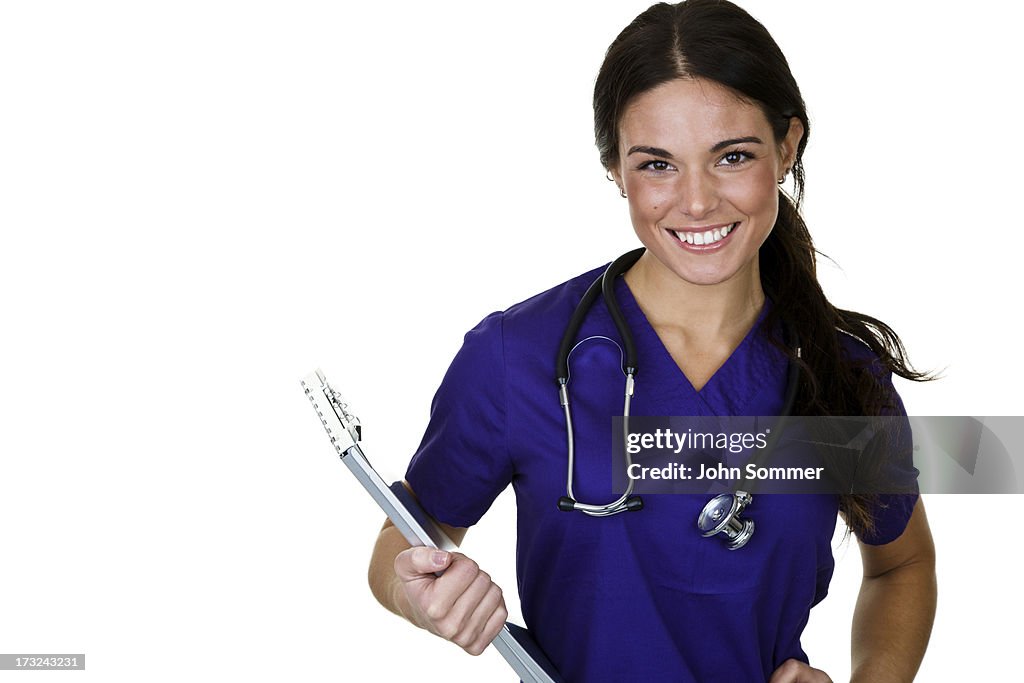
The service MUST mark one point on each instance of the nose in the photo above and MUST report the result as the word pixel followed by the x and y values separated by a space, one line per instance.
pixel 696 194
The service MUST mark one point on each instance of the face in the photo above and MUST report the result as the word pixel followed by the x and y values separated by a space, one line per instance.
pixel 700 168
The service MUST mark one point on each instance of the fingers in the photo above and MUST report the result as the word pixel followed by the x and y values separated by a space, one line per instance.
pixel 462 605
pixel 453 596
pixel 414 563
pixel 479 627
pixel 492 628
pixel 795 671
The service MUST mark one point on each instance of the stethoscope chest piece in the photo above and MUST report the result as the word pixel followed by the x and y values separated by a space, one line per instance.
pixel 722 516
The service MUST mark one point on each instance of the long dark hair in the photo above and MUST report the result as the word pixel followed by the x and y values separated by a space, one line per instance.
pixel 718 41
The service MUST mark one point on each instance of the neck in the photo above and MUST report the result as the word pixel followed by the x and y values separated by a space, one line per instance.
pixel 722 311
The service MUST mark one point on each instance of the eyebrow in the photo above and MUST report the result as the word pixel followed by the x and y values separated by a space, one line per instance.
pixel 719 146
pixel 735 141
pixel 653 151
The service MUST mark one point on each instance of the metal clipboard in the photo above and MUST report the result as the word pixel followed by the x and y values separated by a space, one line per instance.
pixel 513 642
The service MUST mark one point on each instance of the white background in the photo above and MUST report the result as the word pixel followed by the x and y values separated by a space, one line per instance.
pixel 200 202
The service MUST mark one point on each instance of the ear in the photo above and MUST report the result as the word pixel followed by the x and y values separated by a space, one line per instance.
pixel 791 143
pixel 615 175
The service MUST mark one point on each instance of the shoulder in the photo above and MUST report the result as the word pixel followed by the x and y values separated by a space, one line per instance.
pixel 512 344
pixel 540 313
pixel 863 359
pixel 871 370
pixel 552 303
pixel 856 351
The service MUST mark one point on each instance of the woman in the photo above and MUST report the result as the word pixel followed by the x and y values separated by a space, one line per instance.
pixel 698 120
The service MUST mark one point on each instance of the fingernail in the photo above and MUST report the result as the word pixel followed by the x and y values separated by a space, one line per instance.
pixel 440 558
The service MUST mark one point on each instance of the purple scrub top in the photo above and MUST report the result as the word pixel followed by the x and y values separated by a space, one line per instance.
pixel 638 596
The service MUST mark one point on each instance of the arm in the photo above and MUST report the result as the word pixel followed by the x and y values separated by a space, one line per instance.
pixel 894 613
pixel 896 605
pixel 463 605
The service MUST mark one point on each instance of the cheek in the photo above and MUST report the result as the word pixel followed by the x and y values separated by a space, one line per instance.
pixel 756 194
pixel 646 201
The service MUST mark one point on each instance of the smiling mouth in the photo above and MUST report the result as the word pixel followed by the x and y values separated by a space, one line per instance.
pixel 706 237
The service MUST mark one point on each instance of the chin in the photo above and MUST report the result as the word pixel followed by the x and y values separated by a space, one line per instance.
pixel 708 276
pixel 705 280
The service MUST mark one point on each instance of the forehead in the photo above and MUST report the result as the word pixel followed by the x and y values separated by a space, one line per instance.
pixel 689 111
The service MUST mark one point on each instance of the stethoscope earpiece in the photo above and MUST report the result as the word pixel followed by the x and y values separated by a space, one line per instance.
pixel 722 516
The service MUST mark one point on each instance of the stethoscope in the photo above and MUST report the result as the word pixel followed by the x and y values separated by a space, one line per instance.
pixel 722 513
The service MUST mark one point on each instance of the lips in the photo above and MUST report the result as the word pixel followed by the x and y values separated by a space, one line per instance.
pixel 710 239
pixel 705 237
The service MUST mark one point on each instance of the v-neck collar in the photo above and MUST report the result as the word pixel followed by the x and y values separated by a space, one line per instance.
pixel 753 367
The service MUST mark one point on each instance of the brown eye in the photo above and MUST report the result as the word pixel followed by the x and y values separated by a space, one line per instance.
pixel 735 158
pixel 655 165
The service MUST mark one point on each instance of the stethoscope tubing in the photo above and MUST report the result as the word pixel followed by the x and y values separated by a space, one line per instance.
pixel 604 286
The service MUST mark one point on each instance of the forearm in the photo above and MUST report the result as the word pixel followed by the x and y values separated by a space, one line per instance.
pixel 892 623
pixel 384 583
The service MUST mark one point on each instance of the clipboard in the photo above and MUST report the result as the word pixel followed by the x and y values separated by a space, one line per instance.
pixel 514 642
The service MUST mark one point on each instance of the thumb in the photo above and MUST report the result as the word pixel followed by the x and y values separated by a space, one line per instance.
pixel 415 563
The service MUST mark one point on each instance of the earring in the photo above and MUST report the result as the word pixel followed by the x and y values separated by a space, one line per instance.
pixel 622 192
pixel 783 178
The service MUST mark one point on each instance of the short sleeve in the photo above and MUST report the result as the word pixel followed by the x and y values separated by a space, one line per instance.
pixel 891 511
pixel 462 463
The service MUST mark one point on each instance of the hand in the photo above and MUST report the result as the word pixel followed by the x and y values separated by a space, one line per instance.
pixel 795 671
pixel 462 605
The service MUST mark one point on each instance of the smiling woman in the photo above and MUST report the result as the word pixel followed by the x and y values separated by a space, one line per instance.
pixel 699 168
pixel 698 120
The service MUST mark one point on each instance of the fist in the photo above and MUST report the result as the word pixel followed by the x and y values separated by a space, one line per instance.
pixel 795 671
pixel 461 604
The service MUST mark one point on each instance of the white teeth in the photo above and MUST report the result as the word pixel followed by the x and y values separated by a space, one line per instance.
pixel 706 237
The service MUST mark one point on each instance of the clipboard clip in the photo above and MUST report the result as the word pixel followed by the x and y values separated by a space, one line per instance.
pixel 324 398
